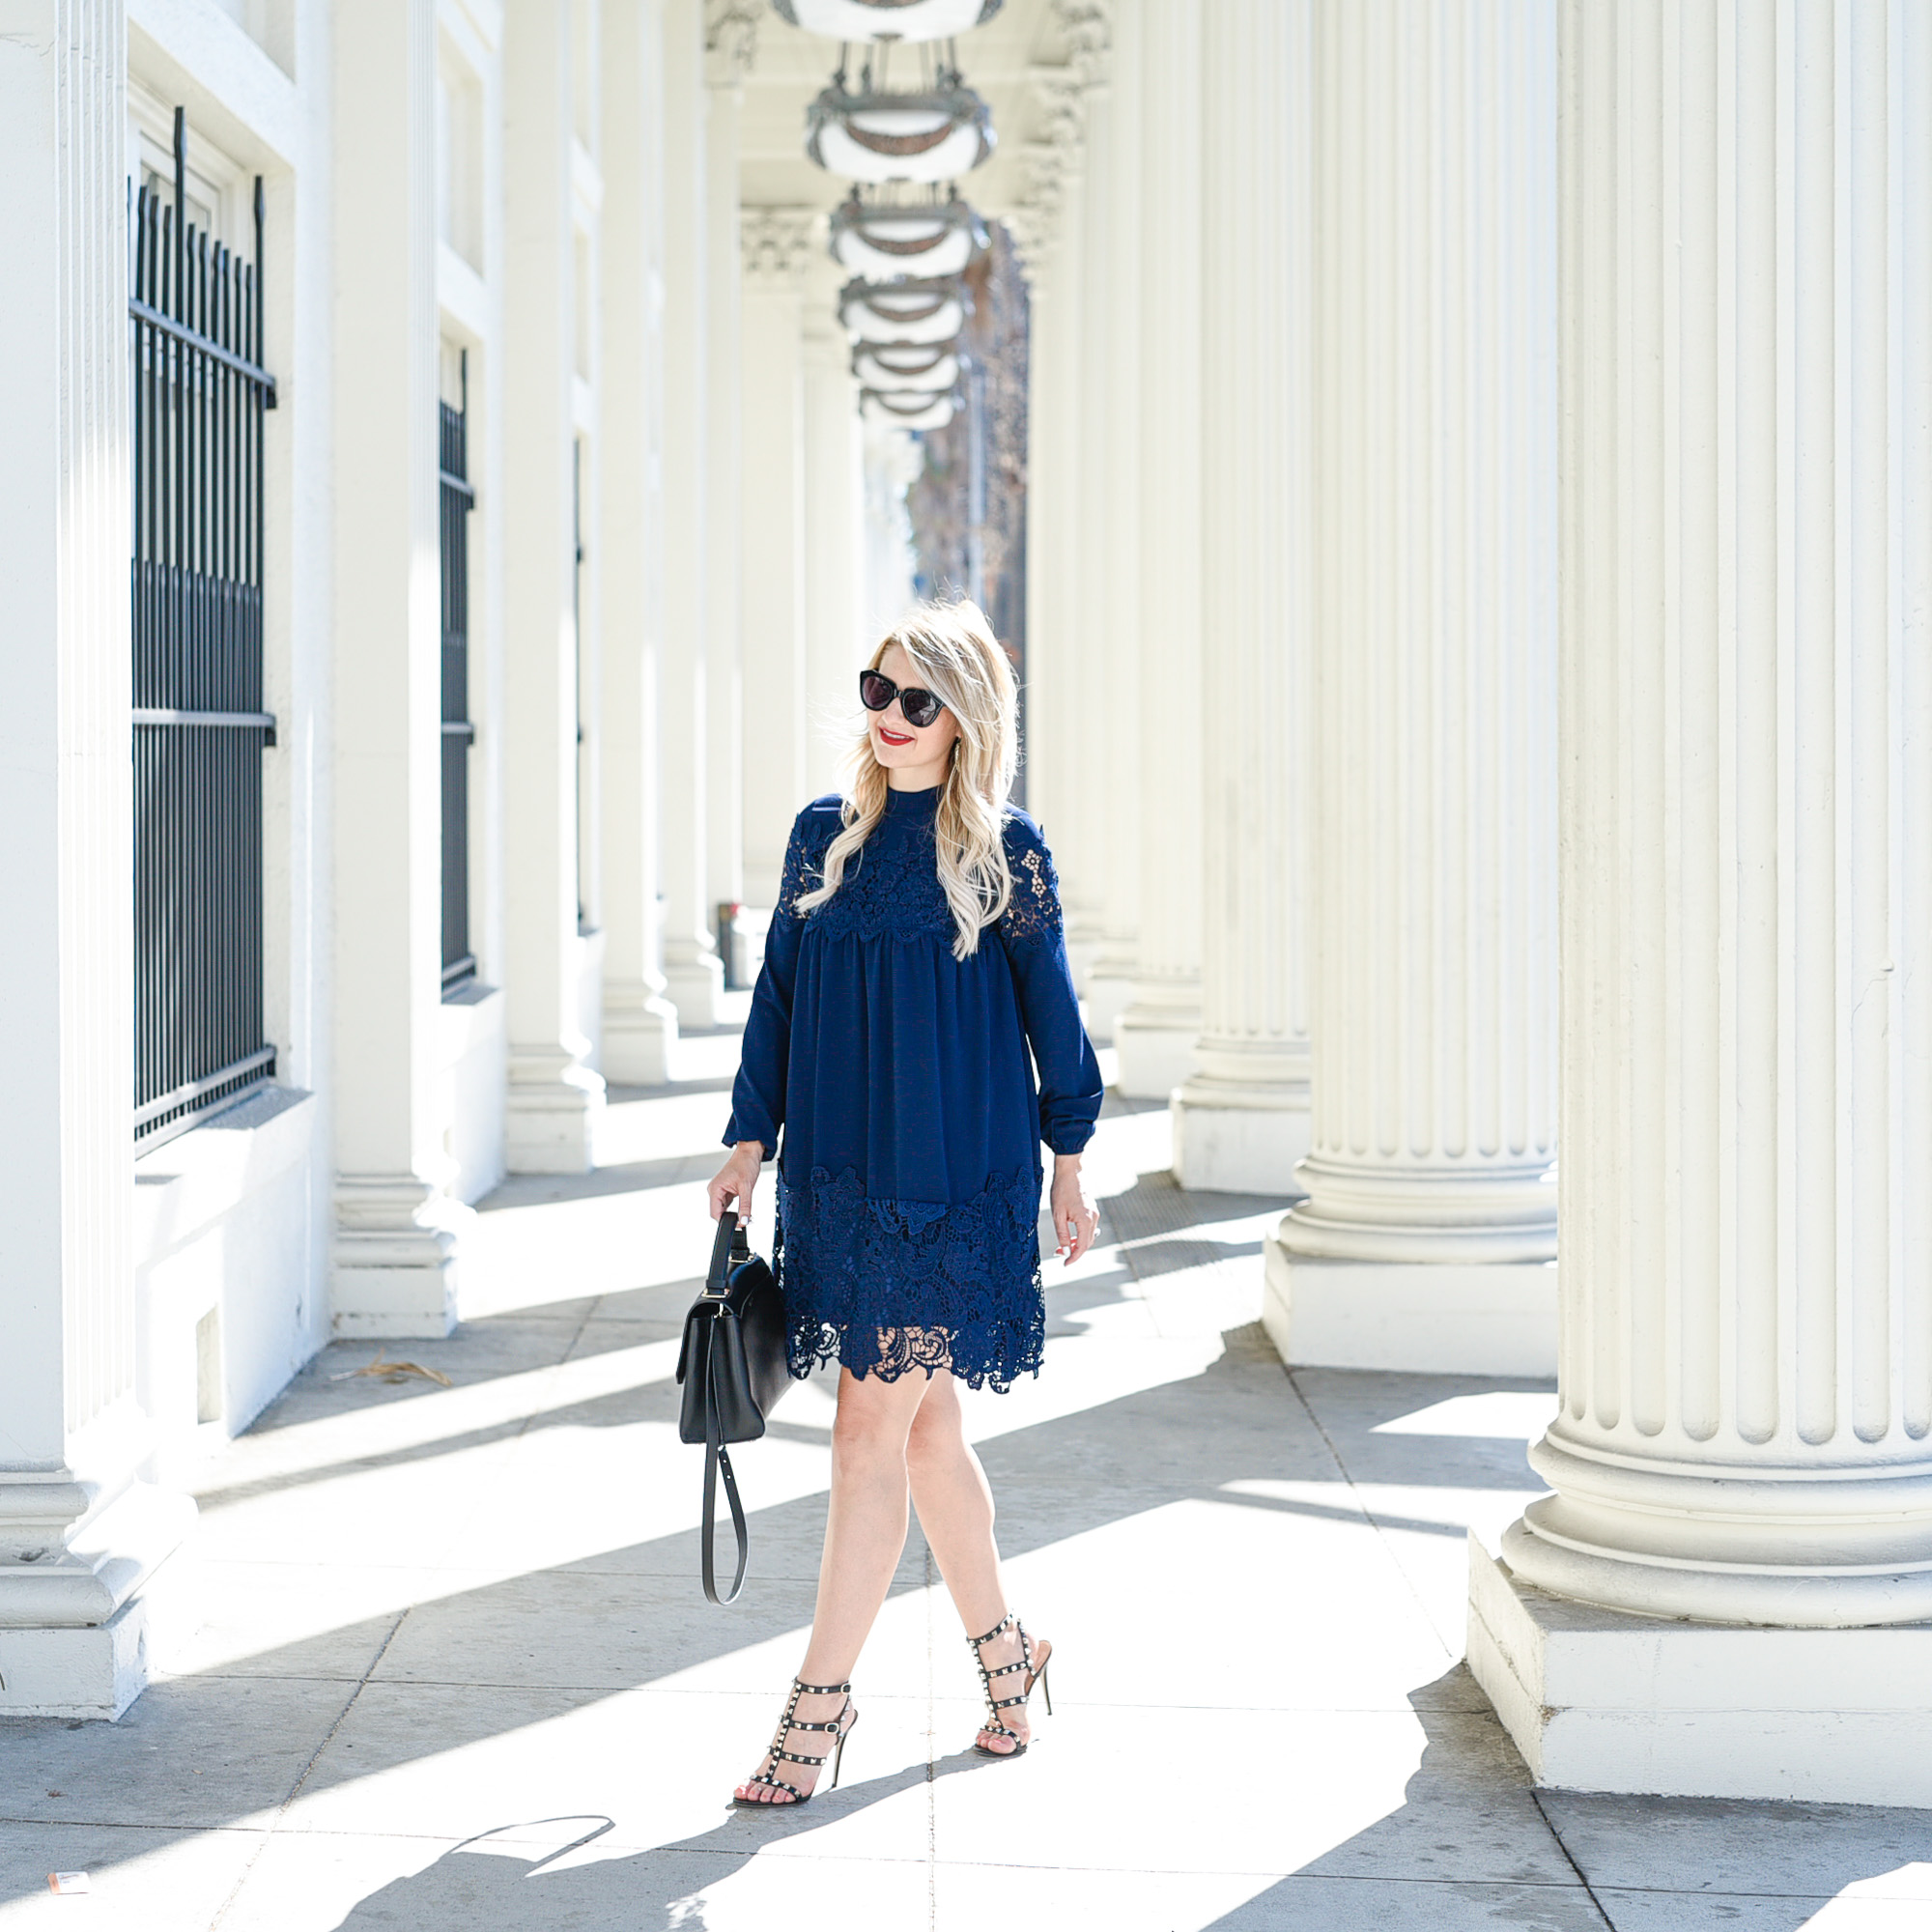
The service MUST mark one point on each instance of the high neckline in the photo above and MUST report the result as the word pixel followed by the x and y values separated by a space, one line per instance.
pixel 905 803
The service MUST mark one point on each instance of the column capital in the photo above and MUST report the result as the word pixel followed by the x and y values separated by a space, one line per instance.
pixel 776 242
pixel 731 39
pixel 1056 156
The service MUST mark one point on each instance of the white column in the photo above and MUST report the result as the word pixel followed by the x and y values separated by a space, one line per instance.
pixel 1056 736
pixel 890 460
pixel 556 1095
pixel 693 975
pixel 639 1022
pixel 1112 618
pixel 1081 838
pixel 1431 1218
pixel 731 42
pixel 78 1533
pixel 771 551
pixel 396 1225
pixel 1155 1036
pixel 1241 1120
pixel 837 632
pixel 1745 1430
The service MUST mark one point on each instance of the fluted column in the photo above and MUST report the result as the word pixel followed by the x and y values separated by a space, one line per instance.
pixel 838 630
pixel 1744 1430
pixel 1112 618
pixel 693 975
pixel 772 552
pixel 1084 877
pixel 1241 1119
pixel 78 1533
pixel 730 45
pixel 1430 1172
pixel 397 1227
pixel 1156 1034
pixel 1047 700
pixel 1063 739
pixel 556 1093
pixel 639 1022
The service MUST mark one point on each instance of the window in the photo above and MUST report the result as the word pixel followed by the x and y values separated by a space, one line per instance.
pixel 199 396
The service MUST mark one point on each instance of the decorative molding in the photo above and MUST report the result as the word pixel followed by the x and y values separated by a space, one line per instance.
pixel 731 39
pixel 777 241
pixel 1056 156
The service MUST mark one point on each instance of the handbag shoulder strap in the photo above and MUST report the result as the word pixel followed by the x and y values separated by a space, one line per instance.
pixel 716 1457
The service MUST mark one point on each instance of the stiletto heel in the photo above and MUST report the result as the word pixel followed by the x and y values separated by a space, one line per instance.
pixel 840 1729
pixel 1031 1674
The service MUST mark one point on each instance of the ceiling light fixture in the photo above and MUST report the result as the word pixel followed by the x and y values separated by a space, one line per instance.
pixel 933 133
pixel 881 240
pixel 899 409
pixel 887 19
pixel 932 366
pixel 912 311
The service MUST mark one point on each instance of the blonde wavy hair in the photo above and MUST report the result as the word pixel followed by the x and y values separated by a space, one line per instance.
pixel 952 648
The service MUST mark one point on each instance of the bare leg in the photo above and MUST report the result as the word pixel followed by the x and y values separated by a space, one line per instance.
pixel 955 1510
pixel 864 1536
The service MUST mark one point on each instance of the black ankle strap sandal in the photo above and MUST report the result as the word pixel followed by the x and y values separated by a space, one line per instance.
pixel 839 1728
pixel 995 1723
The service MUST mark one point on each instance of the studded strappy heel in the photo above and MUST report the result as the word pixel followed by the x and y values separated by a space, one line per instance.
pixel 1032 1673
pixel 839 1728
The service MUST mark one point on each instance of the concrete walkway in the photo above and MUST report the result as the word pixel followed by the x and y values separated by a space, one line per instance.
pixel 425 1638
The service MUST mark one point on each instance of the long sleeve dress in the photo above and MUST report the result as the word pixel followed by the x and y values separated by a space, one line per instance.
pixel 909 1170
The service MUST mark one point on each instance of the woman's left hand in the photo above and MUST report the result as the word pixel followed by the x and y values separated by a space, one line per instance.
pixel 1075 1214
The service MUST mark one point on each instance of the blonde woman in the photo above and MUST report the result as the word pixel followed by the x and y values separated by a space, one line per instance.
pixel 914 958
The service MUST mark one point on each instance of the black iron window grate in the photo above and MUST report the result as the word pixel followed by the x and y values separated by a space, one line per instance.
pixel 199 727
pixel 459 499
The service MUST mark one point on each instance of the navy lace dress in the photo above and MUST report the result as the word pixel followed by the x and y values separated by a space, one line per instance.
pixel 909 1174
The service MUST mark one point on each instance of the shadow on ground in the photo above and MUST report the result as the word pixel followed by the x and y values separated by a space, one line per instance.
pixel 1239 1446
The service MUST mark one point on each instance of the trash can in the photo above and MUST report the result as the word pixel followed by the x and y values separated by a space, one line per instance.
pixel 741 943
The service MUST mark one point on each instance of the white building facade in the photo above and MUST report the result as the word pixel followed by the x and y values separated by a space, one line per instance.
pixel 1480 490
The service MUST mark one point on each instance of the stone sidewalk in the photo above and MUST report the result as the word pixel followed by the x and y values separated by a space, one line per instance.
pixel 425 1640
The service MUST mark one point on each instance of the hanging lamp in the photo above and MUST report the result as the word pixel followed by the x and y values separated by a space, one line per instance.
pixel 916 310
pixel 932 366
pixel 881 238
pixel 900 409
pixel 887 19
pixel 933 133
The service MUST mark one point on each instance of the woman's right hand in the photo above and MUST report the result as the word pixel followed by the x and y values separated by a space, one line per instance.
pixel 737 1179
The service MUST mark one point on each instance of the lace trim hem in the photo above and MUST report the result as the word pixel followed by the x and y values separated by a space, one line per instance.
pixel 886 1286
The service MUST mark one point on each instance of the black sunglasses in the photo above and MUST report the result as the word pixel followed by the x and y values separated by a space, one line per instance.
pixel 919 708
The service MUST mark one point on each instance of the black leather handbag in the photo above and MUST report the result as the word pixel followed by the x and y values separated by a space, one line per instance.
pixel 733 1368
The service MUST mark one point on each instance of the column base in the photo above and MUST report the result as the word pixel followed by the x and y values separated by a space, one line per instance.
pixel 1482 1214
pixel 91 1673
pixel 1240 1140
pixel 1497 1318
pixel 397 1239
pixel 1604 1701
pixel 555 1105
pixel 1154 1042
pixel 72 1616
pixel 694 986
pixel 640 1031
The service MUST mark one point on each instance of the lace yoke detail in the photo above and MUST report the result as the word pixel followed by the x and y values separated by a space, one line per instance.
pixel 887 1287
pixel 891 889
